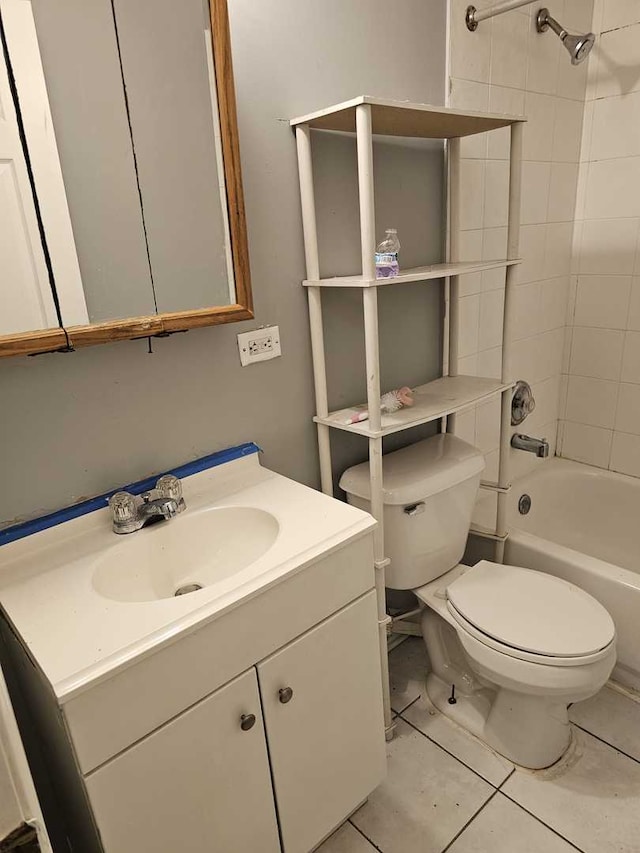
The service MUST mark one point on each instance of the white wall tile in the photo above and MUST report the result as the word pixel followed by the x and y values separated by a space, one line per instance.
pixel 577 15
pixel 618 66
pixel 567 131
pixel 548 349
pixel 553 303
pixel 558 245
pixel 509 53
pixel 488 426
pixel 468 365
pixel 620 13
pixel 633 321
pixel 472 177
pixel 588 444
pixel 532 243
pixel 526 310
pixel 597 353
pixel 469 316
pixel 470 95
pixel 591 401
pixel 562 192
pixel 608 246
pixel 625 453
pixel 613 189
pixel 470 52
pixel 616 127
pixel 543 59
pixel 491 310
pixel 602 301
pixel 572 79
pixel 466 425
pixel 631 358
pixel 503 99
pixel 538 131
pixel 536 178
pixel 496 194
pixel 628 410
pixel 490 363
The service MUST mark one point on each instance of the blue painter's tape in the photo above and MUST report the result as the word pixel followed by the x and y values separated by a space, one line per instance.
pixel 19 531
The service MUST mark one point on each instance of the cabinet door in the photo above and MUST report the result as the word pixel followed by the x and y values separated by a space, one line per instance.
pixel 200 783
pixel 322 702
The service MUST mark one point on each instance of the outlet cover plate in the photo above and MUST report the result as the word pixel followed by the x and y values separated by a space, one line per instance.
pixel 259 345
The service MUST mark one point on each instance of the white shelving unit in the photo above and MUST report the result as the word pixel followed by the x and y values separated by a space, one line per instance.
pixel 439 400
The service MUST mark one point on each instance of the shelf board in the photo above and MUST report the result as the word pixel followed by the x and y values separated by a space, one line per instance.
pixel 402 118
pixel 413 274
pixel 432 401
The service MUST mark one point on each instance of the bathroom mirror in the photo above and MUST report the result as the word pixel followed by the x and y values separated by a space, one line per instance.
pixel 126 114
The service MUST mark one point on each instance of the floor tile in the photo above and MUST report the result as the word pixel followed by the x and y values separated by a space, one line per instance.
pixel 591 798
pixel 347 839
pixel 475 754
pixel 425 800
pixel 503 827
pixel 407 672
pixel 612 717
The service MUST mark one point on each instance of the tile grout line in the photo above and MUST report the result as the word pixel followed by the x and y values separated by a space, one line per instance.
pixel 606 742
pixel 471 820
pixel 546 825
pixel 451 754
pixel 406 708
pixel 366 837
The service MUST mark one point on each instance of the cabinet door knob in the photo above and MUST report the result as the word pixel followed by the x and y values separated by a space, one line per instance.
pixel 285 694
pixel 247 721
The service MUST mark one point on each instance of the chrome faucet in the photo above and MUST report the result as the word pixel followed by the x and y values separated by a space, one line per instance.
pixel 539 446
pixel 130 512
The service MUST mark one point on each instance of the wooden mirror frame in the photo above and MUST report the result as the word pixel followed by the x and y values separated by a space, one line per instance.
pixel 69 338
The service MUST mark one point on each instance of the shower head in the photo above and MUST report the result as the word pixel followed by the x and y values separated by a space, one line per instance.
pixel 579 47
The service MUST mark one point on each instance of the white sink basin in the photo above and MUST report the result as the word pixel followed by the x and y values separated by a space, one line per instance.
pixel 192 551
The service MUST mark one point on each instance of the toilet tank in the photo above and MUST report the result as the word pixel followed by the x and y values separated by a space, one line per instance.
pixel 429 491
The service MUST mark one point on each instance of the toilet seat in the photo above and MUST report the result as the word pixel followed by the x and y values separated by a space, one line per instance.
pixel 530 615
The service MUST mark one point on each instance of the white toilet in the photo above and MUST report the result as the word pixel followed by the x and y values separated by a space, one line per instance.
pixel 510 648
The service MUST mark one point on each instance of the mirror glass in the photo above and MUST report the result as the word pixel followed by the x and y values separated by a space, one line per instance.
pixel 130 89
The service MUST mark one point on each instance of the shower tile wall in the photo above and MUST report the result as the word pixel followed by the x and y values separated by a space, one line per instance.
pixel 506 66
pixel 601 413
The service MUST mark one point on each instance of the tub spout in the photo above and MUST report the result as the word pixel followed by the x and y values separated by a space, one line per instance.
pixel 539 446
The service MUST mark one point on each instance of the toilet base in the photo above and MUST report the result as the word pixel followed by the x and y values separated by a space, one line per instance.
pixel 531 731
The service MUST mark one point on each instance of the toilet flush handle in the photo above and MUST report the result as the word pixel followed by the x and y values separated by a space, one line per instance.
pixel 414 509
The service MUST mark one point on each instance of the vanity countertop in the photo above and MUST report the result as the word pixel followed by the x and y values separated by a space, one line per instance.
pixel 79 637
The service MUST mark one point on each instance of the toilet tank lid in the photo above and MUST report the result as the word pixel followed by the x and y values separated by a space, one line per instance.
pixel 418 471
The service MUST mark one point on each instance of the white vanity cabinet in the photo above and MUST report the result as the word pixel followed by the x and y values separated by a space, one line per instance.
pixel 323 714
pixel 199 783
pixel 203 781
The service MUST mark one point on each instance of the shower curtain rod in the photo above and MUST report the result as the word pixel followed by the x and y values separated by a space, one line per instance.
pixel 474 16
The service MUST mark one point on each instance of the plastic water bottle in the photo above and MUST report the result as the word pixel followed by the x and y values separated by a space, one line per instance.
pixel 387 255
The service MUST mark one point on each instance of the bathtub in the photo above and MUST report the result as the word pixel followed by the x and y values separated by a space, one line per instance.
pixel 584 526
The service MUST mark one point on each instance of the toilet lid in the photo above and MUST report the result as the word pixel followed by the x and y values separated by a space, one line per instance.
pixel 531 611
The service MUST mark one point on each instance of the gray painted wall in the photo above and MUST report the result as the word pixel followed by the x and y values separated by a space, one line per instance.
pixel 75 425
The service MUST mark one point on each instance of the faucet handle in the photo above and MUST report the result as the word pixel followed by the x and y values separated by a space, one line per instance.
pixel 169 486
pixel 123 507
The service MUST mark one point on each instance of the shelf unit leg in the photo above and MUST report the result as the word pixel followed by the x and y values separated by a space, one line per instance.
pixel 513 249
pixel 307 198
pixel 453 254
pixel 364 140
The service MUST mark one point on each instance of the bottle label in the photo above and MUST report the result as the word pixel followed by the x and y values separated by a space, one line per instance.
pixel 387 264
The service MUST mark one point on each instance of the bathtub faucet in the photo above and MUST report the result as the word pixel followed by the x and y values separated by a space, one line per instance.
pixel 539 446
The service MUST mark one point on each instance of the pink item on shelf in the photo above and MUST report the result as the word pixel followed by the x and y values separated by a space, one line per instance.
pixel 392 401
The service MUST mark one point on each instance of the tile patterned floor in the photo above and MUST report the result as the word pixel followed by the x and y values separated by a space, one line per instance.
pixel 446 791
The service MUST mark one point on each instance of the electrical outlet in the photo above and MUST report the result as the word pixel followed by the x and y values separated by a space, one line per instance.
pixel 259 345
